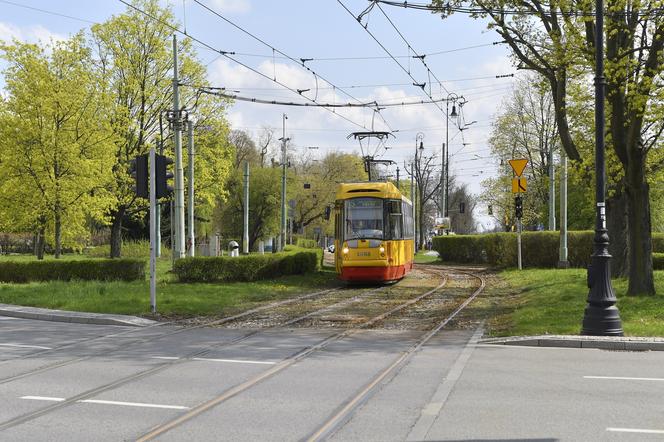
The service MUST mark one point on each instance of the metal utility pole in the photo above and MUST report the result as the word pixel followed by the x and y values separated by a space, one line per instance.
pixel 412 200
pixel 245 230
pixel 190 154
pixel 153 232
pixel 397 178
pixel 179 246
pixel 442 182
pixel 601 317
pixel 450 97
pixel 158 209
pixel 552 192
pixel 284 160
pixel 562 259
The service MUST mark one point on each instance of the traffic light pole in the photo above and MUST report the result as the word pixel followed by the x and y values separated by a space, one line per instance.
pixel 153 231
pixel 190 181
pixel 179 247
pixel 245 229
pixel 284 160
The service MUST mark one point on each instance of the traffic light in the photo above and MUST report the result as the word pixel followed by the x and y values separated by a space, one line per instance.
pixel 462 207
pixel 138 170
pixel 490 209
pixel 328 212
pixel 163 189
pixel 518 207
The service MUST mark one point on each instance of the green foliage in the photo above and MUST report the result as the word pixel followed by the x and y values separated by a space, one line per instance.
pixel 65 270
pixel 539 249
pixel 658 261
pixel 244 268
pixel 658 242
pixel 56 141
pixel 130 249
pixel 306 243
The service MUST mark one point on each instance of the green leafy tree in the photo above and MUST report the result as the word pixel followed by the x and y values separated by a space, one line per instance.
pixel 556 39
pixel 56 142
pixel 134 53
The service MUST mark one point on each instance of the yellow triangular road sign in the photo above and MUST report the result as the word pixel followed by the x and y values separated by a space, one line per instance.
pixel 518 166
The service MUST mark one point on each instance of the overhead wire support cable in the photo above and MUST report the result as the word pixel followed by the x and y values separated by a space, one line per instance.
pixel 227 55
pixel 370 104
pixel 407 71
pixel 298 61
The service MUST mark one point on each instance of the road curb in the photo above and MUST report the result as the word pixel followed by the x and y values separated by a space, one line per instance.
pixel 597 342
pixel 43 314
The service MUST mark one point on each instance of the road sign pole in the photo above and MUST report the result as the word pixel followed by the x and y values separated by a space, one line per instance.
pixel 153 232
pixel 518 242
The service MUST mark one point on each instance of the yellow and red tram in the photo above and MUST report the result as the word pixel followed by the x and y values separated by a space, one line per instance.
pixel 374 232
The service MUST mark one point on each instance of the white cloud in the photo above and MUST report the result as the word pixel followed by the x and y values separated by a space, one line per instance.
pixel 232 6
pixel 33 34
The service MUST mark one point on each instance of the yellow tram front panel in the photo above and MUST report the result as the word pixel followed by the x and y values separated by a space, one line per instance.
pixel 371 243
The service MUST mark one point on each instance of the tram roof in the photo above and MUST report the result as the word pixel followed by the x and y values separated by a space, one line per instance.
pixel 374 189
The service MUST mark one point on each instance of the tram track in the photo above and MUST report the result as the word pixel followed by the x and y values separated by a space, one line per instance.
pixel 187 358
pixel 342 416
pixel 281 366
pixel 143 340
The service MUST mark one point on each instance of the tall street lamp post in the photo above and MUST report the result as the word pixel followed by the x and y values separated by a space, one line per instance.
pixel 601 317
pixel 446 195
pixel 419 137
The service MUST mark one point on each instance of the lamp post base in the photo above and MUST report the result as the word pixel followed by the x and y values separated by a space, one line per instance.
pixel 601 320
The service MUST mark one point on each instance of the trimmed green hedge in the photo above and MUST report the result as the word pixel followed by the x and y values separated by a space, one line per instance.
pixel 539 249
pixel 306 243
pixel 658 261
pixel 244 268
pixel 658 242
pixel 126 269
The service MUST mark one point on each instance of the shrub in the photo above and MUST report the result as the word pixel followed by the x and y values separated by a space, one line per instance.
pixel 306 243
pixel 539 249
pixel 92 269
pixel 244 268
pixel 658 242
pixel 658 261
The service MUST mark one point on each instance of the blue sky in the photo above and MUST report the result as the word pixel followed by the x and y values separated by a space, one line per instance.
pixel 323 29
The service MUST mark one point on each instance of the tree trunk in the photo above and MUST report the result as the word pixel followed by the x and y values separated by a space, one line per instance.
pixel 58 234
pixel 641 280
pixel 616 207
pixel 41 245
pixel 116 233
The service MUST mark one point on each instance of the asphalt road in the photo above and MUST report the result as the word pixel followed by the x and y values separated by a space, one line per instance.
pixel 73 382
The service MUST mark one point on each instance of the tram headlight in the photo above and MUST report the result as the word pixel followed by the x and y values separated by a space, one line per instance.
pixel 381 250
pixel 345 250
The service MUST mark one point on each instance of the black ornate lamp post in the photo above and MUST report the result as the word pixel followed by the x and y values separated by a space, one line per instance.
pixel 601 317
pixel 453 98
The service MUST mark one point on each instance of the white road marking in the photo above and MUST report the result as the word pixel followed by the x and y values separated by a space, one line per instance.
pixel 235 361
pixel 634 430
pixel 44 398
pixel 26 346
pixel 102 402
pixel 621 378
pixel 134 404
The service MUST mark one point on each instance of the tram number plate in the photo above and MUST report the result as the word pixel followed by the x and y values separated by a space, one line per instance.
pixel 363 253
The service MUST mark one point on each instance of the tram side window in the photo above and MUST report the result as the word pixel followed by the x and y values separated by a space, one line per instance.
pixel 395 219
pixel 407 220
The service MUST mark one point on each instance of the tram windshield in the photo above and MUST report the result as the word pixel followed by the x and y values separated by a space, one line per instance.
pixel 364 218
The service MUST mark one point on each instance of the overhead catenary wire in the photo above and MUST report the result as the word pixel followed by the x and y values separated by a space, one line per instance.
pixel 230 57
pixel 45 11
pixel 299 62
pixel 545 12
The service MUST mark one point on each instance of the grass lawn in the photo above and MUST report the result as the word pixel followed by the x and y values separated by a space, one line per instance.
pixel 422 258
pixel 173 299
pixel 532 302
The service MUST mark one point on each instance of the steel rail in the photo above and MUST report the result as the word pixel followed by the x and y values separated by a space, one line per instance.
pixel 340 418
pixel 286 363
pixel 158 368
pixel 143 340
